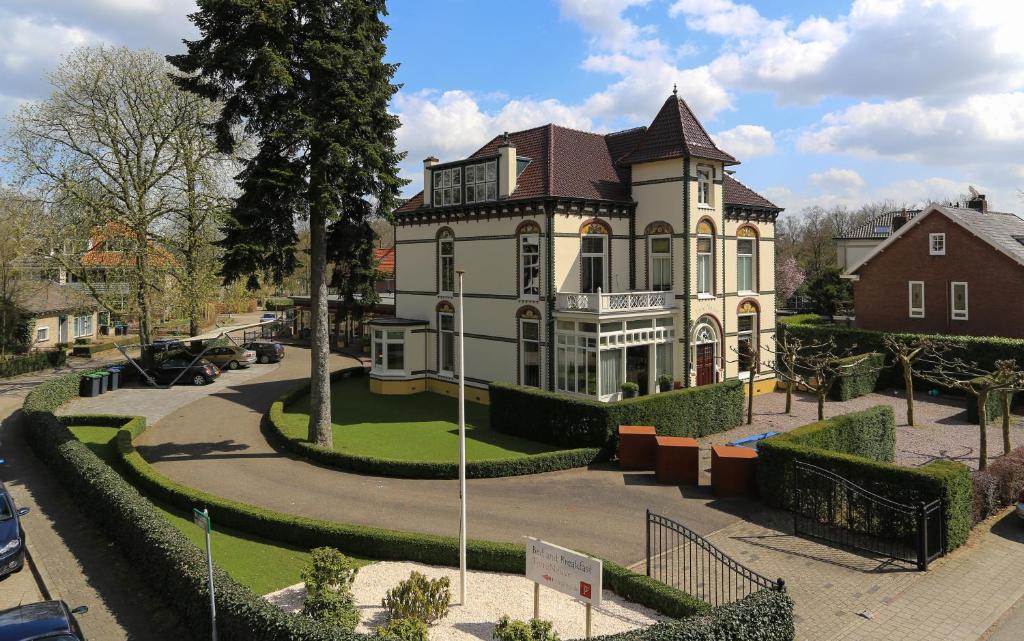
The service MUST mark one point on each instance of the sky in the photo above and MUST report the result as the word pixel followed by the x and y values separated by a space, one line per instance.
pixel 828 102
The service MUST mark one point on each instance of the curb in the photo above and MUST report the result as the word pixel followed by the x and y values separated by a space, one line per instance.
pixel 43 579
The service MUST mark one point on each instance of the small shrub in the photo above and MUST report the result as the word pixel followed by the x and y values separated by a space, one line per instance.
pixel 328 579
pixel 515 630
pixel 420 598
pixel 1008 473
pixel 629 386
pixel 985 497
pixel 402 630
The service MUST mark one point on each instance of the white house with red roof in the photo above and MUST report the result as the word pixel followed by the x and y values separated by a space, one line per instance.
pixel 590 260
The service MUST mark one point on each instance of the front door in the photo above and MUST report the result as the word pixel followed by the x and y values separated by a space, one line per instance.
pixel 705 364
pixel 636 367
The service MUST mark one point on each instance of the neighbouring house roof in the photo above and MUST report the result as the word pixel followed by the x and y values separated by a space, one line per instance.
pixel 1003 231
pixel 43 298
pixel 878 227
pixel 103 255
pixel 577 164
pixel 385 259
pixel 676 133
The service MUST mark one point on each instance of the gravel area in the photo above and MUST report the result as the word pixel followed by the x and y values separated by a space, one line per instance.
pixel 490 595
pixel 942 430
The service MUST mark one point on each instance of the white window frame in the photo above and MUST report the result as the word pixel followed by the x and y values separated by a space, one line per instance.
pixel 751 334
pixel 581 345
pixel 447 186
pixel 709 292
pixel 705 180
pixel 382 338
pixel 603 255
pixel 80 322
pixel 954 313
pixel 665 257
pixel 482 176
pixel 523 322
pixel 915 312
pixel 441 349
pixel 752 256
pixel 42 334
pixel 529 261
pixel 442 259
pixel 937 244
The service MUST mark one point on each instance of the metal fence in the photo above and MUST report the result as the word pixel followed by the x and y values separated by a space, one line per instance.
pixel 830 508
pixel 679 557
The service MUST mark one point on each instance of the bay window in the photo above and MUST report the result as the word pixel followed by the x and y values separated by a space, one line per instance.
pixel 389 350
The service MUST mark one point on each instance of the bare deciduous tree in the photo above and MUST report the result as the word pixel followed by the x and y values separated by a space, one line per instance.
pixel 906 351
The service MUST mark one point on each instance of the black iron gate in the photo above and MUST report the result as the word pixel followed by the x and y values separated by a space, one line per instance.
pixel 830 508
pixel 679 557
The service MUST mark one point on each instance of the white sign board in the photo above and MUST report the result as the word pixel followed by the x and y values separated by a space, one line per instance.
pixel 572 573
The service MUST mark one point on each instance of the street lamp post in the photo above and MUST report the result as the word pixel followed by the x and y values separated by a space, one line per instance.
pixel 462 449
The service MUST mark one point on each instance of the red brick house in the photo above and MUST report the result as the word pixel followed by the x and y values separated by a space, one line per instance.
pixel 949 270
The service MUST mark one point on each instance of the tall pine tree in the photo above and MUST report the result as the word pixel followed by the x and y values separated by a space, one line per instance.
pixel 307 80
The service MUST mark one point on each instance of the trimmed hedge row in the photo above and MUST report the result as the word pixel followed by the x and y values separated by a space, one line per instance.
pixel 860 447
pixel 174 566
pixel 32 362
pixel 863 377
pixel 573 421
pixel 993 407
pixel 91 349
pixel 532 464
pixel 277 303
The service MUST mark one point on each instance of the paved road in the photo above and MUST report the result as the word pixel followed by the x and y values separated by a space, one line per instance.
pixel 1010 627
pixel 216 444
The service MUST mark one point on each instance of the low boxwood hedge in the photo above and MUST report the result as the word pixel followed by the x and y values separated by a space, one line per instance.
pixel 993 407
pixel 532 464
pixel 31 362
pixel 860 447
pixel 862 378
pixel 173 565
pixel 88 350
pixel 573 421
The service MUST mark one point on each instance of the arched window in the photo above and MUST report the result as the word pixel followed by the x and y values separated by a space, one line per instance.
pixel 747 333
pixel 446 261
pixel 706 350
pixel 446 339
pixel 746 259
pixel 528 235
pixel 705 258
pixel 594 237
pixel 659 257
pixel 529 346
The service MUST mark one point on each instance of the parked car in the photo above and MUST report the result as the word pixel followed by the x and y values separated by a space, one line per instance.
pixel 166 344
pixel 12 536
pixel 266 352
pixel 43 620
pixel 230 357
pixel 202 373
pixel 268 316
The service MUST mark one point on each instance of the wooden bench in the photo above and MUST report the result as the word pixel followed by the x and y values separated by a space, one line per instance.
pixel 677 460
pixel 733 471
pixel 636 447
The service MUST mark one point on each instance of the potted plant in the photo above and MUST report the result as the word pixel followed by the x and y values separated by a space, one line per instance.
pixel 665 383
pixel 629 390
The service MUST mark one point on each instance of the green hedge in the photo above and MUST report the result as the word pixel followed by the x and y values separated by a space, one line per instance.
pixel 89 350
pixel 860 447
pixel 532 464
pixel 573 421
pixel 993 407
pixel 274 304
pixel 863 377
pixel 31 362
pixel 173 566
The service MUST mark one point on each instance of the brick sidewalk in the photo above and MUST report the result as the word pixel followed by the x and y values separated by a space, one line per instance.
pixel 843 596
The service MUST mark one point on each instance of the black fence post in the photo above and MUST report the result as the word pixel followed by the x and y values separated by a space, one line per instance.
pixel 922 537
pixel 647 529
pixel 780 585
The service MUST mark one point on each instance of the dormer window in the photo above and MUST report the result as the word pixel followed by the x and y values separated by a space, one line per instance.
pixel 447 186
pixel 482 182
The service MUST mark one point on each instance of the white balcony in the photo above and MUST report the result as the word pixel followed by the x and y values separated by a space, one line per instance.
pixel 614 303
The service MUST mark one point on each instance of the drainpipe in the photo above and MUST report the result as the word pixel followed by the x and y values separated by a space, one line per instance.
pixel 549 230
pixel 687 285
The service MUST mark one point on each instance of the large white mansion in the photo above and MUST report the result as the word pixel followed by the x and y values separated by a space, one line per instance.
pixel 589 260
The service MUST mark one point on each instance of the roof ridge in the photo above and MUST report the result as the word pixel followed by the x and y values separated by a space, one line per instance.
pixel 699 123
pixel 626 131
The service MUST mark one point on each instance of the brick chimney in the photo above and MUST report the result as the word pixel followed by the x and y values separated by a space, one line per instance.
pixel 978 203
pixel 428 186
pixel 899 220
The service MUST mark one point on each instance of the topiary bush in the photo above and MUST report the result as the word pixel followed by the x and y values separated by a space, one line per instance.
pixel 516 630
pixel 860 447
pixel 573 421
pixel 419 598
pixel 862 378
pixel 328 578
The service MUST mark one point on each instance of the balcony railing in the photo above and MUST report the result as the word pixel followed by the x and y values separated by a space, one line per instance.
pixel 619 302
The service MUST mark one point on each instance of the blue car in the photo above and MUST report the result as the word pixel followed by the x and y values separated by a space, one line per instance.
pixel 44 620
pixel 12 537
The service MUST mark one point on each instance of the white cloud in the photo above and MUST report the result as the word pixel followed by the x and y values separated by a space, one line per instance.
pixel 608 28
pixel 835 179
pixel 721 17
pixel 746 141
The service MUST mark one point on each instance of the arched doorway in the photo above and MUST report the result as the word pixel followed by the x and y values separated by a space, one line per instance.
pixel 705 350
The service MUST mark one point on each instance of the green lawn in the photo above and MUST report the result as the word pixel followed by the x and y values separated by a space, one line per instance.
pixel 260 564
pixel 419 427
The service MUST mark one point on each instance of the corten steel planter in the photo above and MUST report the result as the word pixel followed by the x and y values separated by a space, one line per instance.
pixel 733 471
pixel 636 447
pixel 677 460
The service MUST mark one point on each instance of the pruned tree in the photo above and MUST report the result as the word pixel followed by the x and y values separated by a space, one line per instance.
pixel 307 80
pixel 906 351
pixel 818 366
pixel 1009 380
pixel 945 369
pixel 747 359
